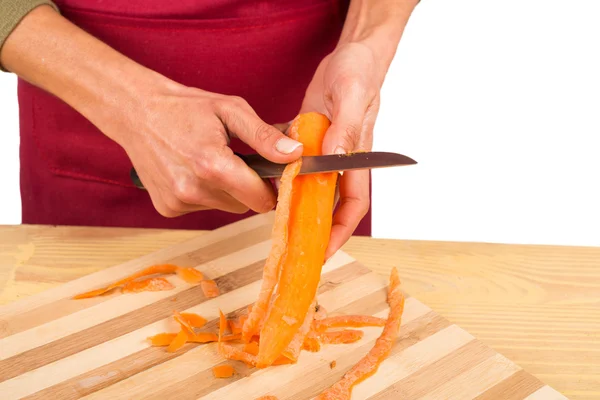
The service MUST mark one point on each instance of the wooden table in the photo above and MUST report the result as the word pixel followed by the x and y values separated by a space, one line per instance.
pixel 537 305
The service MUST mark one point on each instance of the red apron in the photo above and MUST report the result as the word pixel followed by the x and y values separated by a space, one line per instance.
pixel 264 51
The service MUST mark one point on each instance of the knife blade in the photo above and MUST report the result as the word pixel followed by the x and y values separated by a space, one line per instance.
pixel 317 164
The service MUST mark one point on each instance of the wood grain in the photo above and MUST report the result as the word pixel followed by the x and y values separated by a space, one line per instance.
pixel 536 305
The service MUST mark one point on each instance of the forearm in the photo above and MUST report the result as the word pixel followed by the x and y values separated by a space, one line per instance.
pixel 50 52
pixel 379 25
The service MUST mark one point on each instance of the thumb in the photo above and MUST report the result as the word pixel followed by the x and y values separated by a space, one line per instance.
pixel 267 140
pixel 344 133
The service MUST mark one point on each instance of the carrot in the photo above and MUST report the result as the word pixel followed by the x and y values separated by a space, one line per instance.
pixel 309 227
pixel 369 364
pixel 153 270
pixel 279 237
pixel 237 325
pixel 194 320
pixel 267 398
pixel 184 323
pixel 148 285
pixel 209 288
pixel 162 339
pixel 293 350
pixel 341 337
pixel 203 337
pixel 223 371
pixel 190 275
pixel 178 342
pixel 332 364
pixel 348 321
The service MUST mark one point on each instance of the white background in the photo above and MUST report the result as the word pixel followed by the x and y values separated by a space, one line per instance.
pixel 498 101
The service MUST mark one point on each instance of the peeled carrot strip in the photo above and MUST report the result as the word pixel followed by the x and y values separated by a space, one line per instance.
pixel 185 325
pixel 332 364
pixel 267 398
pixel 369 364
pixel 293 350
pixel 210 288
pixel 223 371
pixel 148 285
pixel 153 270
pixel 190 275
pixel 162 339
pixel 237 325
pixel 309 228
pixel 348 321
pixel 178 342
pixel 203 337
pixel 341 337
pixel 194 320
pixel 311 343
pixel 279 238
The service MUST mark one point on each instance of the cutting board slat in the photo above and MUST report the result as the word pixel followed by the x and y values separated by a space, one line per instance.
pixel 54 347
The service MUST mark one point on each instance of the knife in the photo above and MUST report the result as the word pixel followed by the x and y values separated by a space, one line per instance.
pixel 317 164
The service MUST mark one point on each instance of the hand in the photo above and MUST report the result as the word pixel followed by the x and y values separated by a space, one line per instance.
pixel 346 88
pixel 180 151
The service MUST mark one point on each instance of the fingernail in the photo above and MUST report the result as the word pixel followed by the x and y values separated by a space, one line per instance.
pixel 339 150
pixel 286 145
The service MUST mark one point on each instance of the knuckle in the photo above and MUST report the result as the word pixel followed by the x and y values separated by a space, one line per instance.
pixel 238 101
pixel 185 191
pixel 264 133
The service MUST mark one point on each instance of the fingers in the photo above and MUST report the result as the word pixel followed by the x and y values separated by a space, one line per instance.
pixel 348 113
pixel 223 170
pixel 242 122
pixel 354 205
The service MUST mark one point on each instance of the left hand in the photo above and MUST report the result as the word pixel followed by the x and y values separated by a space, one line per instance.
pixel 346 88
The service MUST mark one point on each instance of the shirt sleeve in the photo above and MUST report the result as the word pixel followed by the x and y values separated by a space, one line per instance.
pixel 12 12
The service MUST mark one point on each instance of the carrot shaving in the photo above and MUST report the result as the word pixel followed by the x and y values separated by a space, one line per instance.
pixel 369 364
pixel 190 275
pixel 203 337
pixel 272 266
pixel 223 371
pixel 267 398
pixel 184 323
pixel 341 337
pixel 194 320
pixel 147 285
pixel 332 364
pixel 348 321
pixel 162 339
pixel 293 350
pixel 237 325
pixel 159 269
pixel 179 341
pixel 209 288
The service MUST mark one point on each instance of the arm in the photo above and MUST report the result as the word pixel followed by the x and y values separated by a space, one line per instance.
pixel 346 88
pixel 151 117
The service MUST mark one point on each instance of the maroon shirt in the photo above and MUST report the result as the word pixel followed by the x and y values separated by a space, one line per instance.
pixel 264 51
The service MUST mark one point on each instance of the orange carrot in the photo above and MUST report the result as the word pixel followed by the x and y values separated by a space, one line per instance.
pixel 184 323
pixel 148 285
pixel 338 337
pixel 223 371
pixel 190 275
pixel 293 350
pixel 309 228
pixel 279 238
pixel 178 342
pixel 348 321
pixel 369 364
pixel 267 398
pixel 194 320
pixel 162 339
pixel 237 325
pixel 203 337
pixel 332 364
pixel 210 288
pixel 153 270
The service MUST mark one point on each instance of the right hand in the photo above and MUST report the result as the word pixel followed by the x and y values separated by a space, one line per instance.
pixel 179 146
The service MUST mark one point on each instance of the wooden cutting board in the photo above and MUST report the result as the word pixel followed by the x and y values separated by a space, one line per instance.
pixel 53 347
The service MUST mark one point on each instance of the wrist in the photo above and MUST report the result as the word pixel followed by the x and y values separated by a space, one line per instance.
pixel 378 26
